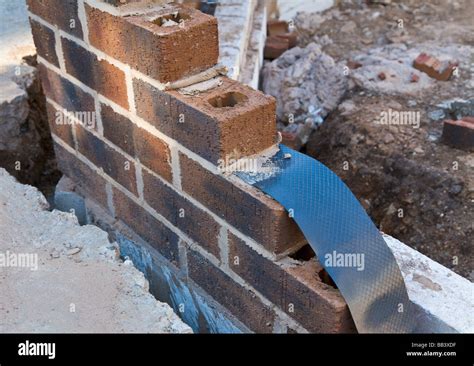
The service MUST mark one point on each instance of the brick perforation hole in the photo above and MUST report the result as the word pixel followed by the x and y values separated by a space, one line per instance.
pixel 170 20
pixel 230 99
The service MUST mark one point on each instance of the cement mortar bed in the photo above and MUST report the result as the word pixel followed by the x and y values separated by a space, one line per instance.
pixel 72 280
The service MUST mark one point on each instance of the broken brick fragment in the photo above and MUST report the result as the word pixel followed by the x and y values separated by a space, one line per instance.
pixel 433 67
pixel 459 134
pixel 414 78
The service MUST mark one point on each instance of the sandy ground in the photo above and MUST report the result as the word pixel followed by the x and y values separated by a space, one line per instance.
pixel 68 278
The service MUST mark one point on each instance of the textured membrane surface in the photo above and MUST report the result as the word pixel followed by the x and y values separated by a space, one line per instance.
pixel 346 241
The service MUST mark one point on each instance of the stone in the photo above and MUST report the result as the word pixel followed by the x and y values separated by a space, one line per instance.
pixel 304 77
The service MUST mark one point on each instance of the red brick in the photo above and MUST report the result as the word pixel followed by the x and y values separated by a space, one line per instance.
pixel 242 303
pixel 65 93
pixel 296 290
pixel 114 164
pixel 468 119
pixel 164 53
pixel 276 27
pixel 292 38
pixel 196 4
pixel 56 125
pixel 191 220
pixel 135 141
pixel 121 2
pixel 62 13
pixel 433 67
pixel 209 130
pixel 45 42
pixel 275 46
pixel 243 206
pixel 97 74
pixel 146 226
pixel 459 134
pixel 88 181
pixel 281 29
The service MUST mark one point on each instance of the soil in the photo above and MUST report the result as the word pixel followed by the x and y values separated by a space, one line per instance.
pixel 413 186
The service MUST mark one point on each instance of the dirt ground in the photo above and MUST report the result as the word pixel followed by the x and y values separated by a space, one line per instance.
pixel 413 186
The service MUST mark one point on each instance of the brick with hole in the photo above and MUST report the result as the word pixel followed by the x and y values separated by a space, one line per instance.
pixel 296 289
pixel 242 303
pixel 229 121
pixel 114 163
pixel 152 152
pixel 62 91
pixel 97 74
pixel 88 180
pixel 245 207
pixel 45 42
pixel 146 226
pixel 166 44
pixel 193 221
pixel 61 13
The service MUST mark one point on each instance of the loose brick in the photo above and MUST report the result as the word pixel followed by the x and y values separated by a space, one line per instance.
pixel 45 42
pixel 459 134
pixel 433 67
pixel 275 46
pixel 97 74
pixel 65 93
pixel 232 120
pixel 135 141
pixel 146 226
pixel 276 27
pixel 243 206
pixel 58 126
pixel 193 221
pixel 62 13
pixel 88 181
pixel 114 164
pixel 242 303
pixel 291 37
pixel 296 290
pixel 281 29
pixel 165 53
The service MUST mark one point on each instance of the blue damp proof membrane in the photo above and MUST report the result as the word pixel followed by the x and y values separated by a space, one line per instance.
pixel 346 241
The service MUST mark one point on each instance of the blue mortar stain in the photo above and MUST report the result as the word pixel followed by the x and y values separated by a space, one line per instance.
pixel 217 323
pixel 182 300
pixel 194 309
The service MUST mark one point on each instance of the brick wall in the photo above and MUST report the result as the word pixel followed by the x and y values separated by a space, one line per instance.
pixel 149 156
